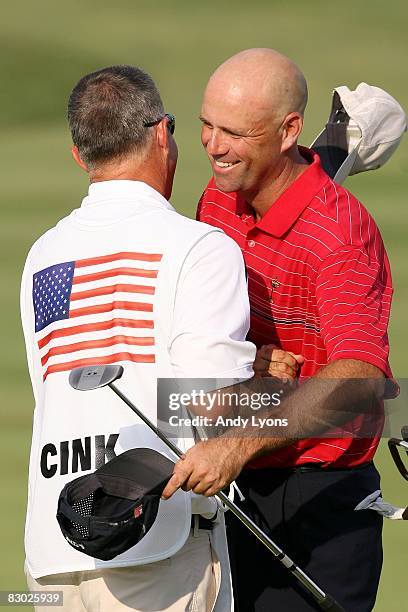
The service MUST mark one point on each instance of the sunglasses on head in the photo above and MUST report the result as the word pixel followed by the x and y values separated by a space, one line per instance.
pixel 171 122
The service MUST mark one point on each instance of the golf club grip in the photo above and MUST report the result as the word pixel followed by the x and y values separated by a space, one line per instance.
pixel 329 603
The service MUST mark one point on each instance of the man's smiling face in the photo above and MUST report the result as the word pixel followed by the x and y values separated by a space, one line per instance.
pixel 241 137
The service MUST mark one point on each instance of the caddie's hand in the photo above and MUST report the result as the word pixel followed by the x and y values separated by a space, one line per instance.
pixel 207 467
pixel 270 360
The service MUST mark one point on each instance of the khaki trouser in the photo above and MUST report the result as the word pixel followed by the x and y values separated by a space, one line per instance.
pixel 188 581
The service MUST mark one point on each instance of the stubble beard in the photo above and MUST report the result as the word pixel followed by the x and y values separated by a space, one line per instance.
pixel 227 185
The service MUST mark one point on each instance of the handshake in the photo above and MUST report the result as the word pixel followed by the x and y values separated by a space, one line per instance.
pixel 210 466
pixel 270 360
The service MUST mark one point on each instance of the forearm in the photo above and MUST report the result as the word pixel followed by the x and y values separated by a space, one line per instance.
pixel 318 405
pixel 341 391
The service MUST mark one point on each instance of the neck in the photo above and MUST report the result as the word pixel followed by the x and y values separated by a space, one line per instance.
pixel 292 166
pixel 128 170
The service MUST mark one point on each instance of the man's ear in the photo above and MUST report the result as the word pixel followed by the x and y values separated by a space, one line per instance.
pixel 162 135
pixel 78 159
pixel 291 129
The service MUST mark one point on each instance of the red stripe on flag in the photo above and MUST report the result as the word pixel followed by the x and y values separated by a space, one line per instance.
pixel 90 344
pixel 82 295
pixel 79 363
pixel 89 310
pixel 86 278
pixel 93 261
pixel 90 327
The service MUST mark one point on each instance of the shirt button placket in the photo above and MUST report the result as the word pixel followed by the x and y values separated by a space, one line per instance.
pixel 249 222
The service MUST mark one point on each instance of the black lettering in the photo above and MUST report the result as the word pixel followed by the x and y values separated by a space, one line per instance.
pixel 48 472
pixel 81 455
pixel 64 456
pixel 81 459
pixel 104 452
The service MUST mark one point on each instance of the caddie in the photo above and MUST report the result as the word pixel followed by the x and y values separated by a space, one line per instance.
pixel 125 279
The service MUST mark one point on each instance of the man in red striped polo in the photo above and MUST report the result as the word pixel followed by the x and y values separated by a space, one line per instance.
pixel 320 286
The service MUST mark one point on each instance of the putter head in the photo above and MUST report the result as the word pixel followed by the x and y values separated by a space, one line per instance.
pixel 94 377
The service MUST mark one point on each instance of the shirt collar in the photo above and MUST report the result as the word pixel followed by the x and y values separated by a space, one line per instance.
pixel 289 206
pixel 137 191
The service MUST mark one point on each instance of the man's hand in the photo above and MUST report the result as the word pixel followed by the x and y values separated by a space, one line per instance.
pixel 207 467
pixel 270 360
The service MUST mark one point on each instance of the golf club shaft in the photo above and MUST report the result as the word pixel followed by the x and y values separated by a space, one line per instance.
pixel 326 602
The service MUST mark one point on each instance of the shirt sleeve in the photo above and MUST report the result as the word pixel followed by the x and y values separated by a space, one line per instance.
pixel 354 295
pixel 211 315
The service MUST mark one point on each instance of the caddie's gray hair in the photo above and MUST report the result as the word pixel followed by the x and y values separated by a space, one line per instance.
pixel 107 110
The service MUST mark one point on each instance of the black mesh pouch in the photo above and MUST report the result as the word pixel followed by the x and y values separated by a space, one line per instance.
pixel 105 513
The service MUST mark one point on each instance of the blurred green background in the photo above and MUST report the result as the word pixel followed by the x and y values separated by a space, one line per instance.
pixel 46 46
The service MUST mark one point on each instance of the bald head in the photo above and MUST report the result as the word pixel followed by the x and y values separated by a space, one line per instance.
pixel 252 117
pixel 262 79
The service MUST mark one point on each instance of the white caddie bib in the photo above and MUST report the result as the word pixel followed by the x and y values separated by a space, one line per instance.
pixel 100 288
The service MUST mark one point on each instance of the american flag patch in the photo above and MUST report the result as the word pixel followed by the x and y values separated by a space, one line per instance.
pixel 96 311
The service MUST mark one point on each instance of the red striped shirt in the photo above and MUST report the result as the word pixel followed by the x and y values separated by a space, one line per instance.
pixel 319 285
